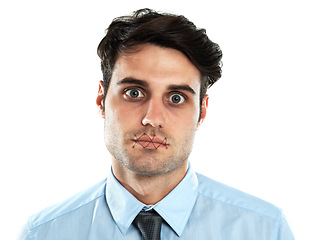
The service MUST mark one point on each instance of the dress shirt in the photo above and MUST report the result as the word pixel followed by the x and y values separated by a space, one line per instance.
pixel 197 208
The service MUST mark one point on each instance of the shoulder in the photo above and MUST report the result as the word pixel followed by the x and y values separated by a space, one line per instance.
pixel 234 198
pixel 74 203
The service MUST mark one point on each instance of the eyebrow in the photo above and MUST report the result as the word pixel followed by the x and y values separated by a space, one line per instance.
pixel 143 83
pixel 132 81
pixel 182 87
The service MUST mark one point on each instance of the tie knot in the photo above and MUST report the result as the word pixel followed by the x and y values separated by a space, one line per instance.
pixel 149 224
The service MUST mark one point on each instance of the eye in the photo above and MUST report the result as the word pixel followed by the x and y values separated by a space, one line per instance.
pixel 176 98
pixel 134 93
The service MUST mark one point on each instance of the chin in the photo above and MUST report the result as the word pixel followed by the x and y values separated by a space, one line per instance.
pixel 151 169
pixel 147 168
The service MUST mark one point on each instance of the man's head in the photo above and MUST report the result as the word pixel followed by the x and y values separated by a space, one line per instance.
pixel 163 30
pixel 156 69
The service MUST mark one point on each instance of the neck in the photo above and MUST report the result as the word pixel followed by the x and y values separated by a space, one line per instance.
pixel 149 189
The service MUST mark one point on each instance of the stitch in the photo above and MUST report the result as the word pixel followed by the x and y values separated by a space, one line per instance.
pixel 150 141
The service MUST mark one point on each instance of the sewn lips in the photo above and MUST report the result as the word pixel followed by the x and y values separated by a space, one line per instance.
pixel 148 142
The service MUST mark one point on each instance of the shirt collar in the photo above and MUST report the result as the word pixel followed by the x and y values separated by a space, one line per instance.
pixel 175 208
pixel 123 205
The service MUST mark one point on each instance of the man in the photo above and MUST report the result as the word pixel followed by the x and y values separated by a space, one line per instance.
pixel 156 70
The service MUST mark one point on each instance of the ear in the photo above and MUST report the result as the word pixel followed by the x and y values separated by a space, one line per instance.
pixel 99 99
pixel 204 107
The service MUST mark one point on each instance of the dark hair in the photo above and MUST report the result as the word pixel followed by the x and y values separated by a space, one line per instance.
pixel 164 30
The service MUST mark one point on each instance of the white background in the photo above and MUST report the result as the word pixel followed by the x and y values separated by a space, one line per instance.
pixel 257 135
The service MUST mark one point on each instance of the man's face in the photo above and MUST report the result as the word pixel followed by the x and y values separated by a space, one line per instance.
pixel 152 109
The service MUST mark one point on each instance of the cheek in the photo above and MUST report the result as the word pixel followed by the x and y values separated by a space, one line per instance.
pixel 120 115
pixel 187 118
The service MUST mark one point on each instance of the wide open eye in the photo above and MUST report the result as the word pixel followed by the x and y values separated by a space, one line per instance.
pixel 176 98
pixel 134 93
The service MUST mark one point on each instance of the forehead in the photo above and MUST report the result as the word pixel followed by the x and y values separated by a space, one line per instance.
pixel 157 66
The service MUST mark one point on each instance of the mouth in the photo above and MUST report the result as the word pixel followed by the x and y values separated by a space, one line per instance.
pixel 148 142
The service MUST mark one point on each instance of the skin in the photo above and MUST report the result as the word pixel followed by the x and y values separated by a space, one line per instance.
pixel 153 92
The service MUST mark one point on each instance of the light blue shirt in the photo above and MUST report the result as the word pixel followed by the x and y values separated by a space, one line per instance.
pixel 198 208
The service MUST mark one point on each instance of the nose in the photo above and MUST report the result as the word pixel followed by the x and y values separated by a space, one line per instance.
pixel 154 114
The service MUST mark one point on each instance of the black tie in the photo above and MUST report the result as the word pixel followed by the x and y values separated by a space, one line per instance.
pixel 149 224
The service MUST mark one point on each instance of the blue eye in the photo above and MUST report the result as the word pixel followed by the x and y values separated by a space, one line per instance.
pixel 176 98
pixel 134 93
